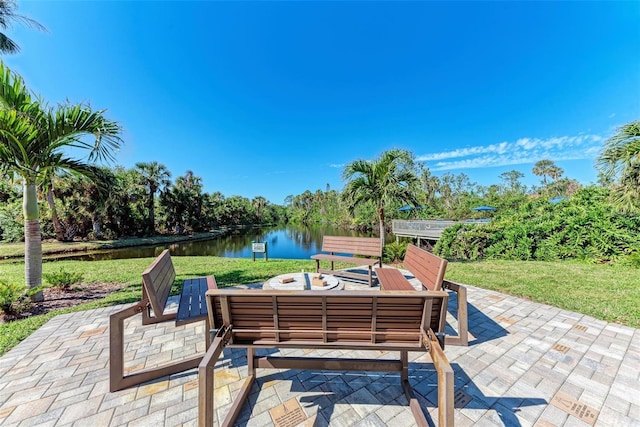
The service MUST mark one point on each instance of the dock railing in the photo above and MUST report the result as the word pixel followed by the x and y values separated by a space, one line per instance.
pixel 428 228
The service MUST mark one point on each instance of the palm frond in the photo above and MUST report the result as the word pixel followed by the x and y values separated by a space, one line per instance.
pixel 620 151
pixel 69 125
pixel 7 45
pixel 13 91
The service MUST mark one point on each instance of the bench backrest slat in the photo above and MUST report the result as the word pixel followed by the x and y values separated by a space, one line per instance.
pixel 429 269
pixel 368 246
pixel 157 280
pixel 325 318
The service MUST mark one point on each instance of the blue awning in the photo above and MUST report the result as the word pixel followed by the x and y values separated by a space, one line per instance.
pixel 485 208
pixel 557 199
pixel 409 207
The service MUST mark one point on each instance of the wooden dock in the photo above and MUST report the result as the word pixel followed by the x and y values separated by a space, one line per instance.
pixel 428 229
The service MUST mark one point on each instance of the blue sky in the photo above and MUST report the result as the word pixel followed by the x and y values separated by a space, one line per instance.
pixel 274 98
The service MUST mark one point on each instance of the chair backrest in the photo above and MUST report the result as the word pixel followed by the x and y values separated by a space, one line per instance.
pixel 428 268
pixel 335 319
pixel 368 246
pixel 157 280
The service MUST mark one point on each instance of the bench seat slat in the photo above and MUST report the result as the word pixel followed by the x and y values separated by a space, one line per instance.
pixel 391 279
pixel 342 258
pixel 192 306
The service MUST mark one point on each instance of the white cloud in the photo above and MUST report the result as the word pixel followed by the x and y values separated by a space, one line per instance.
pixel 522 151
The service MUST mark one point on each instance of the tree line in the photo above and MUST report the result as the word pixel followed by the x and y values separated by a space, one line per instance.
pixel 134 202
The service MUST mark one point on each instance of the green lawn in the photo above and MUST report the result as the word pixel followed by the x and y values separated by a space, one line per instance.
pixel 606 292
pixel 610 293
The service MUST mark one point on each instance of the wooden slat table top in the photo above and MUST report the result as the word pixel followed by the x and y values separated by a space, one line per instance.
pixel 192 306
pixel 392 279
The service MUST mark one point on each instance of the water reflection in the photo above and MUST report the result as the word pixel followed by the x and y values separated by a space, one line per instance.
pixel 286 242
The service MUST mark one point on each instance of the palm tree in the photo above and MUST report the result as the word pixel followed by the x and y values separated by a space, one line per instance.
pixel 389 179
pixel 430 185
pixel 512 181
pixel 7 16
pixel 620 162
pixel 259 203
pixel 34 140
pixel 155 176
pixel 546 168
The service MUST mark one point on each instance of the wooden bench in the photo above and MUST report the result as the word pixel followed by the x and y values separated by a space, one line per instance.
pixel 429 269
pixel 348 320
pixel 157 281
pixel 368 247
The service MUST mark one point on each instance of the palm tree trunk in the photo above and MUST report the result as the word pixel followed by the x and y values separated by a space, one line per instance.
pixel 96 224
pixel 152 213
pixel 57 225
pixel 32 239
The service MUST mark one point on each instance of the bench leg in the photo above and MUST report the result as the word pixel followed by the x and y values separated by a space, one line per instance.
pixel 206 408
pixel 251 361
pixel 147 319
pixel 404 359
pixel 445 383
pixel 207 334
pixel 463 323
pixel 206 405
pixel 414 404
pixel 117 379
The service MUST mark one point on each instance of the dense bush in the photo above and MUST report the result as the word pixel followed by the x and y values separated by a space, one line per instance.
pixel 11 223
pixel 586 227
pixel 16 299
pixel 394 252
pixel 63 279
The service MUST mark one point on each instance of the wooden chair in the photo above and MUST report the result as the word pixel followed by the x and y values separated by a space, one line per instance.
pixel 348 320
pixel 157 281
pixel 369 250
pixel 429 269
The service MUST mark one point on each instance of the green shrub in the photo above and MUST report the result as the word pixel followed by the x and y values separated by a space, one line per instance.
pixel 632 260
pixel 14 298
pixel 465 241
pixel 63 279
pixel 585 228
pixel 394 252
pixel 11 224
pixel 444 245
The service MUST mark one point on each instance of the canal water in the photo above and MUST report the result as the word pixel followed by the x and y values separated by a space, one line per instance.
pixel 285 241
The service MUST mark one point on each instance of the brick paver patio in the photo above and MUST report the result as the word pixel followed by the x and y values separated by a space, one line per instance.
pixel 527 364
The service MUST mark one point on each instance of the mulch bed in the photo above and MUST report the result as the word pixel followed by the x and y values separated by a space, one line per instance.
pixel 56 298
